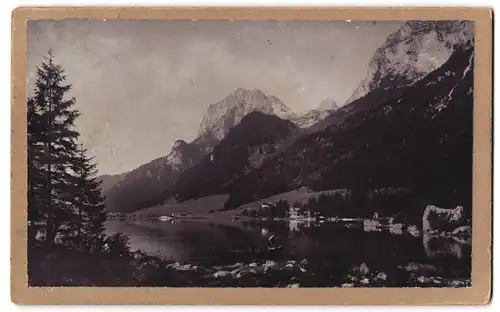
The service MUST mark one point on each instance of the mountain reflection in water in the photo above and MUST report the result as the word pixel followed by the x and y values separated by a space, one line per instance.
pixel 203 242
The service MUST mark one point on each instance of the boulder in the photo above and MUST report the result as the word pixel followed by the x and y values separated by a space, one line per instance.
pixel 420 269
pixel 382 276
pixel 270 265
pixel 236 265
pixel 221 274
pixel 185 267
pixel 258 269
pixel 240 274
pixel 442 219
pixel 462 231
pixel 363 269
pixel 423 279
pixel 347 285
pixel 229 267
pixel 235 272
pixel 437 281
pixel 460 283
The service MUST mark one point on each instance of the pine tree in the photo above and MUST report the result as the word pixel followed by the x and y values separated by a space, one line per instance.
pixel 89 204
pixel 35 179
pixel 51 149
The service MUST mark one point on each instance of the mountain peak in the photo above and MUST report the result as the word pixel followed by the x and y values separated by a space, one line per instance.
pixel 178 143
pixel 327 104
pixel 411 52
pixel 238 91
pixel 242 92
pixel 227 113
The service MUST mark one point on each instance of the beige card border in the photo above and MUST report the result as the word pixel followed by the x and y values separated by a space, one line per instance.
pixel 479 293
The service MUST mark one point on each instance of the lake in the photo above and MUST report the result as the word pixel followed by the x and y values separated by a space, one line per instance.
pixel 336 246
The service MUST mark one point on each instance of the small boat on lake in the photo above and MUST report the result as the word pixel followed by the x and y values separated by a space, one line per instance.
pixel 275 244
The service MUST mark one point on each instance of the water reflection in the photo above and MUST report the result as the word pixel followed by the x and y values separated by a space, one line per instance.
pixel 396 230
pixel 296 225
pixel 371 226
pixel 333 244
pixel 437 246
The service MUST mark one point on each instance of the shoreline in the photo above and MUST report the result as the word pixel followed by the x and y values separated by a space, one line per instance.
pixel 140 270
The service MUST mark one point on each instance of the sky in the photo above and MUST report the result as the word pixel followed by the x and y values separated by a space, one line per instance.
pixel 141 85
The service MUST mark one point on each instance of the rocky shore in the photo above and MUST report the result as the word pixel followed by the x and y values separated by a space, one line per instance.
pixel 294 274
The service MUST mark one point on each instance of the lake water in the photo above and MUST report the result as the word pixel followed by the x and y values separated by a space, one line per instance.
pixel 335 245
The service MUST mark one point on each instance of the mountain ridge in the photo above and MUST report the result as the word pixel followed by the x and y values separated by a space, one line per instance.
pixel 143 186
pixel 421 140
pixel 246 146
pixel 391 70
pixel 413 51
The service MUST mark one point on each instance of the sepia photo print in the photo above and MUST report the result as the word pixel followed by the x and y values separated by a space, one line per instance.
pixel 250 153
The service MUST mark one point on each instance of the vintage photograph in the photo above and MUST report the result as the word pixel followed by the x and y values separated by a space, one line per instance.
pixel 232 153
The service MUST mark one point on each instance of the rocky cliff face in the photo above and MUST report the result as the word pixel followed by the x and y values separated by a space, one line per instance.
pixel 176 158
pixel 419 138
pixel 145 186
pixel 311 117
pixel 419 82
pixel 327 104
pixel 246 146
pixel 412 52
pixel 224 115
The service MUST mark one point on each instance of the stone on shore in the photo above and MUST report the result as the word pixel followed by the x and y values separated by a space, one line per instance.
pixel 363 269
pixel 420 269
pixel 221 274
pixel 382 276
pixel 441 219
pixel 270 264
pixel 423 279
